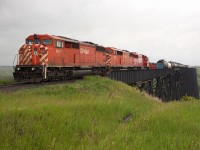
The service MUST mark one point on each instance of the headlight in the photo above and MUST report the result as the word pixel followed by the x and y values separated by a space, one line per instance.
pixel 18 68
pixel 33 68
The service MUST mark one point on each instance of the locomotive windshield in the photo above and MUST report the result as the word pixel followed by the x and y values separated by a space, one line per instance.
pixel 36 41
pixel 47 41
pixel 29 41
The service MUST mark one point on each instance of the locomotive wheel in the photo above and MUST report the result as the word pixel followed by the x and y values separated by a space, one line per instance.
pixel 105 72
pixel 69 74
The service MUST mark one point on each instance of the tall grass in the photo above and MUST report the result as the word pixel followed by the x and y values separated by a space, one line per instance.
pixel 90 114
pixel 6 75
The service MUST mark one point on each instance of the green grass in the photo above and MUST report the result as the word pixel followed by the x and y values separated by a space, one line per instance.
pixel 6 81
pixel 89 114
pixel 6 75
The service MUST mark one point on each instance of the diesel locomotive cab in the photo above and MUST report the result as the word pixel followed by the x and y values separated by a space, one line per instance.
pixel 32 59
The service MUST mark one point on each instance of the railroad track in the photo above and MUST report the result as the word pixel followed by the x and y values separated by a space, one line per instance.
pixel 17 86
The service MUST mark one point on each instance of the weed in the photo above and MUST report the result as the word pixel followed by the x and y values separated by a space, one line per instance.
pixel 95 113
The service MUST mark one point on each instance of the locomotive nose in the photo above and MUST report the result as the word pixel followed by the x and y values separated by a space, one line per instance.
pixel 33 54
pixel 39 54
pixel 25 55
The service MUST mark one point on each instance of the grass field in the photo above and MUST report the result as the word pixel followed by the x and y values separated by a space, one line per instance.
pixel 96 113
pixel 6 75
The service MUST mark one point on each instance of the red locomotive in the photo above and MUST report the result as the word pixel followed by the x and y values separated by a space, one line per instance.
pixel 49 57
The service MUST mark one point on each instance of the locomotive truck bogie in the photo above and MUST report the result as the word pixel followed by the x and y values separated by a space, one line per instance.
pixel 31 74
pixel 28 73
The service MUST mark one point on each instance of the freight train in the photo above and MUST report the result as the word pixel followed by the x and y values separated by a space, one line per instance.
pixel 46 57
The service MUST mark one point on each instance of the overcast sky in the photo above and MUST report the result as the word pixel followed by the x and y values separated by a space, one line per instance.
pixel 160 29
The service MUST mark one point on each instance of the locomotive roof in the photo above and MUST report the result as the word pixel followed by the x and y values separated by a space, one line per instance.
pixel 75 41
pixel 87 42
pixel 67 39
pixel 113 48
pixel 125 51
pixel 56 37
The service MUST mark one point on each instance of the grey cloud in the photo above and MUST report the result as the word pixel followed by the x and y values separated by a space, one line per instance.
pixel 160 29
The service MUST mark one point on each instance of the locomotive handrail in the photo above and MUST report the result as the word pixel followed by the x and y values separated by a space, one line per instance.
pixel 16 55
